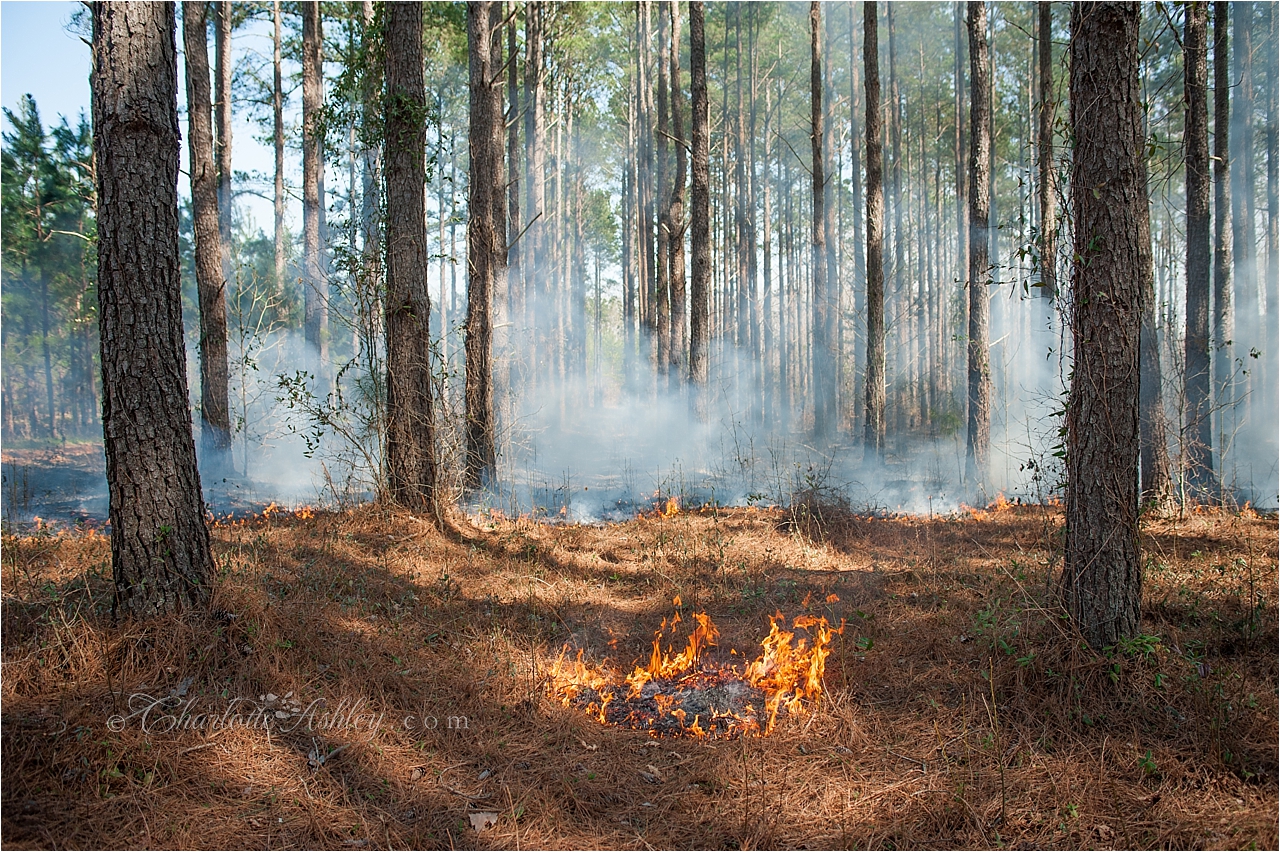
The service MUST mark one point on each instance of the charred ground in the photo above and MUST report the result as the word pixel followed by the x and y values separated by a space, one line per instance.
pixel 960 709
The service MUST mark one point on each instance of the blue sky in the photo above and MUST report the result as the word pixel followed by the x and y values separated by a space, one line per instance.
pixel 39 56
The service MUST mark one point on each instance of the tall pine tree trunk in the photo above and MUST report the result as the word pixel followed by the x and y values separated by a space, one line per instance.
pixel 535 211
pixel 825 415
pixel 1197 433
pixel 1048 199
pixel 979 365
pixel 410 446
pixel 486 240
pixel 215 417
pixel 1272 143
pixel 160 553
pixel 222 47
pixel 1223 318
pixel 676 215
pixel 371 167
pixel 281 250
pixel 700 235
pixel 316 284
pixel 1102 575
pixel 873 411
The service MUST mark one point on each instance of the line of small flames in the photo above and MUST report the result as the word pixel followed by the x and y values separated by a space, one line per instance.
pixel 788 671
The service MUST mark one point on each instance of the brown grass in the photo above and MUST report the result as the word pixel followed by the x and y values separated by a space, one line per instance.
pixel 961 710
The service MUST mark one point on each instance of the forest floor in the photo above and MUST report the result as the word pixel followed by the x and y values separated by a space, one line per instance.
pixel 960 710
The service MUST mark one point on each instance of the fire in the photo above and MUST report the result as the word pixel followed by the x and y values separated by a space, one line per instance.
pixel 685 693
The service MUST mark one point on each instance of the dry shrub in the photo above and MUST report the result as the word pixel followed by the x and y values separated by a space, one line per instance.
pixel 961 709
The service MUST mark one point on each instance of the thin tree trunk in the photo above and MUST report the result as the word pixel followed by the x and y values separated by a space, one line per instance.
pixel 1222 396
pixel 316 285
pixel 979 369
pixel 961 170
pixel 486 242
pixel 370 221
pixel 535 211
pixel 824 402
pixel 700 236
pixel 1102 575
pixel 222 47
pixel 859 283
pixel 1048 199
pixel 676 216
pixel 662 271
pixel 831 257
pixel 902 300
pixel 873 422
pixel 1197 430
pixel 1243 237
pixel 215 417
pixel 1272 141
pixel 160 552
pixel 277 111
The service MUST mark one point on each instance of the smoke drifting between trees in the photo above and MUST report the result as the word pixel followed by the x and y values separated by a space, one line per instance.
pixel 596 324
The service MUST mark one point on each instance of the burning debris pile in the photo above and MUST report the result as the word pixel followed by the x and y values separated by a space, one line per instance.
pixel 687 694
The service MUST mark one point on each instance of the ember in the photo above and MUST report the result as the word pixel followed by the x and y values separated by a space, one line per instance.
pixel 683 693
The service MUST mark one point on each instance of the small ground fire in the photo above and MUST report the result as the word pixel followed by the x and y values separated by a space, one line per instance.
pixel 686 693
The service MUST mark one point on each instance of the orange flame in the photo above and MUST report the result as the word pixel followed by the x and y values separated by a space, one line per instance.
pixel 787 673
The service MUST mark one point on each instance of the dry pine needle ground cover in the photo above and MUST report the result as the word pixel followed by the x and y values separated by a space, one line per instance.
pixel 960 711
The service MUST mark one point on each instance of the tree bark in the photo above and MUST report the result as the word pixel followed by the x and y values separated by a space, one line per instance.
pixel 316 284
pixel 486 240
pixel 824 386
pixel 535 212
pixel 961 145
pixel 700 236
pixel 1197 430
pixel 1048 199
pixel 1222 396
pixel 676 214
pixel 277 109
pixel 160 552
pixel 410 445
pixel 371 166
pixel 979 367
pixel 1102 575
pixel 873 410
pixel 215 417
pixel 1272 143
pixel 222 47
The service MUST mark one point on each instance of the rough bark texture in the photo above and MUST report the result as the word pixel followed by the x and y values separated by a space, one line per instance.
pixel 1243 236
pixel 676 216
pixel 371 164
pixel 1272 142
pixel 535 123
pixel 824 386
pixel 1197 432
pixel 700 236
pixel 1048 200
pixel 277 112
pixel 873 423
pixel 1223 317
pixel 315 286
pixel 486 238
pixel 979 365
pixel 222 47
pixel 410 446
pixel 1102 576
pixel 215 417
pixel 1157 483
pixel 662 271
pixel 962 186
pixel 159 543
